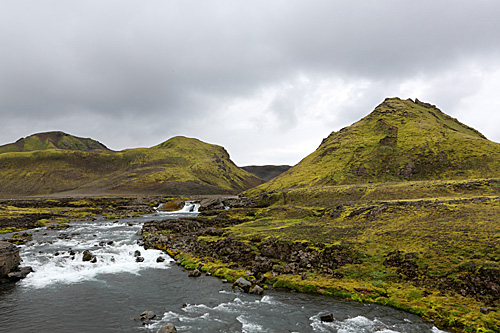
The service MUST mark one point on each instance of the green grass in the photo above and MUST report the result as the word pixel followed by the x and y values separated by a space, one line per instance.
pixel 176 166
pixel 399 141
pixel 445 230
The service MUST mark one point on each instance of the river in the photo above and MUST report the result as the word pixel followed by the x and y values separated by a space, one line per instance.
pixel 66 294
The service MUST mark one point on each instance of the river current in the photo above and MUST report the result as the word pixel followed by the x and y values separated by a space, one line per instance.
pixel 66 294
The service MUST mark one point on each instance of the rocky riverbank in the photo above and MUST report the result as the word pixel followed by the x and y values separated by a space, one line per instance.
pixel 282 246
pixel 28 213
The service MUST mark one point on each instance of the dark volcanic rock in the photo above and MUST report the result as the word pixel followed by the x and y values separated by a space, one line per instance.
pixel 9 258
pixel 89 256
pixel 19 273
pixel 242 284
pixel 326 317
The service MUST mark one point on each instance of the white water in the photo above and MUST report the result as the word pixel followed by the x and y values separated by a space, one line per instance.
pixel 65 294
pixel 190 209
pixel 67 268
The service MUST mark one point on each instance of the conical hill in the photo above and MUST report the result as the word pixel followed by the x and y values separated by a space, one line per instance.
pixel 400 140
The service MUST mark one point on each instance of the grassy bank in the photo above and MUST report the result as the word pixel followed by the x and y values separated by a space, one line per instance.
pixel 430 248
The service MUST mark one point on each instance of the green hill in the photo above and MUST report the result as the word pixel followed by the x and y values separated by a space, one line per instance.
pixel 52 140
pixel 400 140
pixel 84 166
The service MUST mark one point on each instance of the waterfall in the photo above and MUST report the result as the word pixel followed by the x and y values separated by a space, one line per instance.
pixel 190 208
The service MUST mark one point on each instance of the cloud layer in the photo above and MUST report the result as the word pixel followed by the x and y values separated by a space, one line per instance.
pixel 267 80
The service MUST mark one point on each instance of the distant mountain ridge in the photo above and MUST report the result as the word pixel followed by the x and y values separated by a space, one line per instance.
pixel 266 172
pixel 400 140
pixel 55 162
pixel 52 140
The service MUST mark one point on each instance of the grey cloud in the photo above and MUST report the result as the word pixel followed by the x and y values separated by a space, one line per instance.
pixel 158 63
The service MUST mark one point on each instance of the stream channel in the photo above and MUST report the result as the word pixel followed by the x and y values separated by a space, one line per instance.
pixel 66 294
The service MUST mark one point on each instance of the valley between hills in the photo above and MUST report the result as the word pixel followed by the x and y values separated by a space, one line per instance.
pixel 400 208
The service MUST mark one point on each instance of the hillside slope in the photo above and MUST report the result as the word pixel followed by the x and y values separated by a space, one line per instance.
pixel 400 140
pixel 177 166
pixel 52 140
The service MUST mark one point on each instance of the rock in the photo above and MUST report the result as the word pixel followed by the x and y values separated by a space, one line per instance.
pixel 256 290
pixel 89 256
pixel 168 328
pixel 243 284
pixel 137 253
pixel 139 259
pixel 160 259
pixel 9 258
pixel 145 316
pixel 19 274
pixel 484 310
pixel 326 317
pixel 304 276
pixel 194 273
pixel 148 315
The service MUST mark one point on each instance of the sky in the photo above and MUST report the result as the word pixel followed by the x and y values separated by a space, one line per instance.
pixel 267 80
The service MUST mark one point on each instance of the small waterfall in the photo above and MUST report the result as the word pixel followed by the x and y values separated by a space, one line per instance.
pixel 190 208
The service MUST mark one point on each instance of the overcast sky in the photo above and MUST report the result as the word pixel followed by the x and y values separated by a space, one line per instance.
pixel 268 80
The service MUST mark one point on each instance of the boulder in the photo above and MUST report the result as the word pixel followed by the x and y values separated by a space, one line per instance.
pixel 242 284
pixel 326 317
pixel 145 316
pixel 19 273
pixel 168 328
pixel 89 256
pixel 194 273
pixel 160 259
pixel 139 259
pixel 256 290
pixel 9 258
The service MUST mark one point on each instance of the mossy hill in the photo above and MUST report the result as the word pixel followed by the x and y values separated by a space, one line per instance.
pixel 83 166
pixel 52 140
pixel 400 140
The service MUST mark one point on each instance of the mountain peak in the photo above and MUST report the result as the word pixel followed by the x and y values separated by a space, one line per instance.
pixel 399 140
pixel 52 140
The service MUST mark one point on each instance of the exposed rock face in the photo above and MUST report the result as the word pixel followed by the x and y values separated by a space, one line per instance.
pixel 19 273
pixel 183 235
pixel 222 203
pixel 9 258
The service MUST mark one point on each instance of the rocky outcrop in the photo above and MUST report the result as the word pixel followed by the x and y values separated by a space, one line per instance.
pixel 9 258
pixel 273 255
pixel 211 204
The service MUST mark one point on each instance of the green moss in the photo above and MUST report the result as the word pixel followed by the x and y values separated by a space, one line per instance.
pixel 399 141
pixel 202 167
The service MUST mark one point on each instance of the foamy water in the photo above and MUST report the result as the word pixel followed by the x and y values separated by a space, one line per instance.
pixel 66 294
